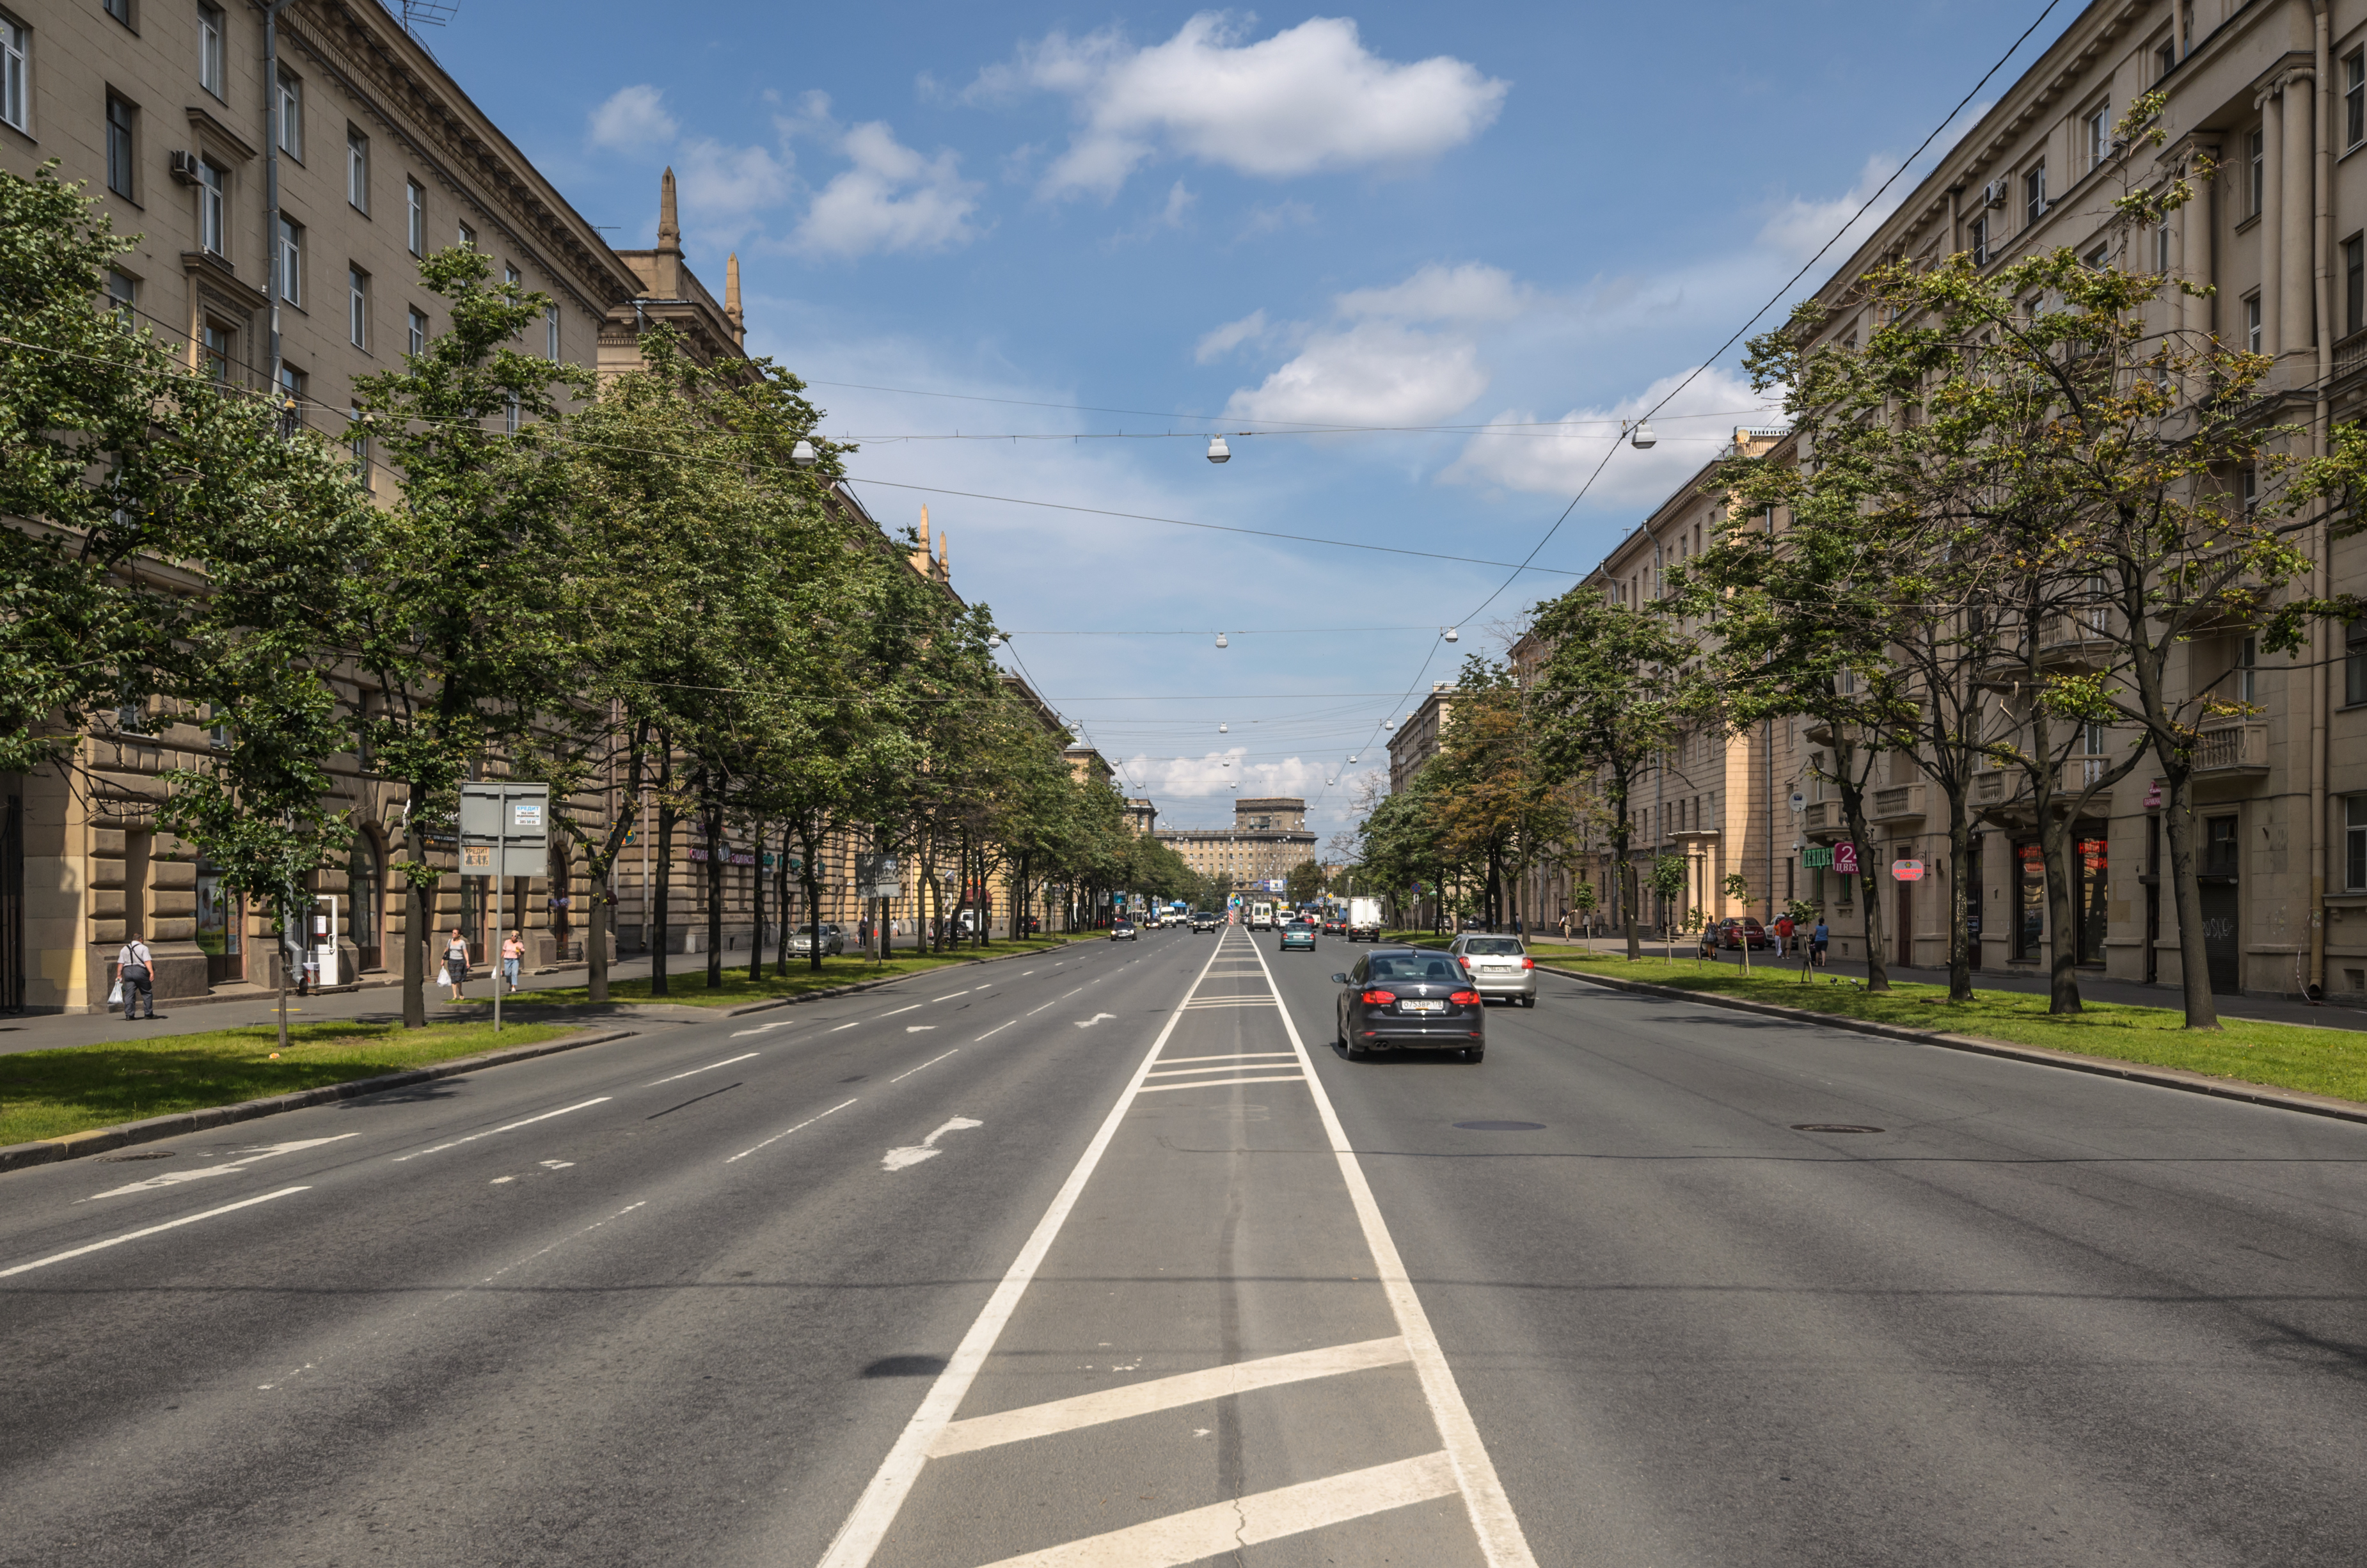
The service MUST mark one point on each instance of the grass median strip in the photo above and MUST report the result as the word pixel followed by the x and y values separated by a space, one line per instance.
pixel 2283 1056
pixel 53 1093
pixel 689 987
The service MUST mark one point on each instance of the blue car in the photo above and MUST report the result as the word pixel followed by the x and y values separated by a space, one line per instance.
pixel 1298 934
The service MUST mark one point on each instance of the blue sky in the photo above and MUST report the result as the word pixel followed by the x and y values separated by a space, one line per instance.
pixel 1396 215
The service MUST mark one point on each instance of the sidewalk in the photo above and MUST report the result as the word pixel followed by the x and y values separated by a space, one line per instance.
pixel 2092 987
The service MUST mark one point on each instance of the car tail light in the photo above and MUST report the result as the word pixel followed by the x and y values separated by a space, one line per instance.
pixel 1466 999
pixel 1527 962
pixel 1378 999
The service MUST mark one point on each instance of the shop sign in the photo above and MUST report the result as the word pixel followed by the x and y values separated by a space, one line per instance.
pixel 1845 859
pixel 2153 797
pixel 1817 856
pixel 1906 870
pixel 732 858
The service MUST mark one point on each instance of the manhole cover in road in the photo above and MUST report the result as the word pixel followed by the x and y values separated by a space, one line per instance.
pixel 141 1155
pixel 1501 1126
pixel 1831 1127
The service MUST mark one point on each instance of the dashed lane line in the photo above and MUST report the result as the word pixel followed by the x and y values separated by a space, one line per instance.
pixel 509 1127
pixel 931 1061
pixel 776 1137
pixel 708 1068
pixel 146 1230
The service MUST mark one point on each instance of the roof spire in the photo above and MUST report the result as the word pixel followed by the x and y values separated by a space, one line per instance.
pixel 669 225
pixel 731 298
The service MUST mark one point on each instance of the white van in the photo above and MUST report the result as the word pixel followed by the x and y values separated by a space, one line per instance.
pixel 1262 917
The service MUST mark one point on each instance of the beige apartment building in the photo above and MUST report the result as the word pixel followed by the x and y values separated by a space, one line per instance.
pixel 1268 837
pixel 1415 740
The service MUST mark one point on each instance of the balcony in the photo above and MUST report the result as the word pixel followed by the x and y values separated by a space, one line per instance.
pixel 2001 794
pixel 2076 642
pixel 2238 750
pixel 1900 802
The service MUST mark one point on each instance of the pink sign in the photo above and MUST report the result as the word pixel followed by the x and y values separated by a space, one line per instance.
pixel 1845 859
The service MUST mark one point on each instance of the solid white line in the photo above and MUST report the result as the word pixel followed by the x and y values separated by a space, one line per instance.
pixel 1163 1393
pixel 951 994
pixel 489 1131
pixel 866 1524
pixel 1492 1518
pixel 1219 1083
pixel 1230 1056
pixel 799 1127
pixel 913 1008
pixel 708 1068
pixel 1219 1530
pixel 995 1030
pixel 147 1230
pixel 931 1061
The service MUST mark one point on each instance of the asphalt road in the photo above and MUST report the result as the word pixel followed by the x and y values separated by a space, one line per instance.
pixel 1105 1257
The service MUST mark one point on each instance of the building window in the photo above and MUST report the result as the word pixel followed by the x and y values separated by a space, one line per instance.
pixel 209 49
pixel 550 333
pixel 468 236
pixel 216 344
pixel 415 207
pixel 2259 171
pixel 293 383
pixel 292 261
pixel 2161 249
pixel 2354 281
pixel 2252 324
pixel 357 306
pixel 511 275
pixel 120 10
pixel 123 293
pixel 415 337
pixel 1981 242
pixel 2248 671
pixel 2354 98
pixel 357 169
pixel 358 440
pixel 2354 663
pixel 292 116
pixel 213 233
pixel 2033 193
pixel 2100 135
pixel 2354 843
pixel 2095 260
pixel 122 158
pixel 510 416
pixel 2165 59
pixel 16 97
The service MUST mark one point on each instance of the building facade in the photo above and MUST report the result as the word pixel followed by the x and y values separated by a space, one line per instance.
pixel 1415 740
pixel 1268 836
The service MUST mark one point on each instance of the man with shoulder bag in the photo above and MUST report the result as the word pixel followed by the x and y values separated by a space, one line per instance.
pixel 135 971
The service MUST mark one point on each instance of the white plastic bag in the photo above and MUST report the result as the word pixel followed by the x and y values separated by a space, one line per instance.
pixel 115 996
pixel 443 975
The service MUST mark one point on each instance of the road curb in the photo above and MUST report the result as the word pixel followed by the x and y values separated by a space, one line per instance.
pixel 101 1140
pixel 2037 1055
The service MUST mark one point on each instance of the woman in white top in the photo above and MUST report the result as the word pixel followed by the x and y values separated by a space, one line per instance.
pixel 456 961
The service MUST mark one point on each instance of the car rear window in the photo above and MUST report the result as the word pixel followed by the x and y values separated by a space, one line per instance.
pixel 1441 968
pixel 1492 947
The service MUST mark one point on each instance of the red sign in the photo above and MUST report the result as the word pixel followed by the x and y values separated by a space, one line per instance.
pixel 1906 870
pixel 2153 797
pixel 1845 859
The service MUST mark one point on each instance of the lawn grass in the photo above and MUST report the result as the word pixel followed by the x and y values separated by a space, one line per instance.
pixel 687 986
pixel 50 1094
pixel 2285 1056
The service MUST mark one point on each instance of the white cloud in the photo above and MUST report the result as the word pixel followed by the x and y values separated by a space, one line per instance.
pixel 1799 228
pixel 1250 328
pixel 1690 431
pixel 723 181
pixel 1292 213
pixel 1309 99
pixel 1376 372
pixel 633 119
pixel 1467 293
pixel 892 199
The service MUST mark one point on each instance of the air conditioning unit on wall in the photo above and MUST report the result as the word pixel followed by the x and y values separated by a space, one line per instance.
pixel 186 170
pixel 1994 193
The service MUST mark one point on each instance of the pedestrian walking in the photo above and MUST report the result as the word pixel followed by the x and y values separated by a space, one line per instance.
pixel 1818 940
pixel 135 971
pixel 512 959
pixel 1782 935
pixel 456 963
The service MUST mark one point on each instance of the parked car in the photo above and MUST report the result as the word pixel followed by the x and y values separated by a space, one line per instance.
pixel 1410 998
pixel 1297 934
pixel 1732 933
pixel 1122 930
pixel 1500 966
pixel 802 940
pixel 1205 920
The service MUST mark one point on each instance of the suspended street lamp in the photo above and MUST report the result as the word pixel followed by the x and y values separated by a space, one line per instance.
pixel 1220 640
pixel 1217 452
pixel 1641 436
pixel 803 453
pixel 1224 729
pixel 1453 635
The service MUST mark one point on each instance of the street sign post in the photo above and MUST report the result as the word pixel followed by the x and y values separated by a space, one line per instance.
pixel 1845 859
pixel 1798 799
pixel 504 833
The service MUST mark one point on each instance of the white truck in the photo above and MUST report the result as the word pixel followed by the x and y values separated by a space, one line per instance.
pixel 1261 916
pixel 1364 920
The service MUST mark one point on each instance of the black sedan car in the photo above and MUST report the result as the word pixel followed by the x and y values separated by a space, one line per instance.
pixel 1411 999
pixel 1297 934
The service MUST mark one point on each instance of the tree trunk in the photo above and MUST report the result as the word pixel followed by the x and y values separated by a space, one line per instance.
pixel 2194 960
pixel 1960 868
pixel 661 904
pixel 1877 970
pixel 781 895
pixel 756 905
pixel 414 925
pixel 716 855
pixel 596 934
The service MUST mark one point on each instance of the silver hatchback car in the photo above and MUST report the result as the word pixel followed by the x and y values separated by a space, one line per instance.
pixel 1500 966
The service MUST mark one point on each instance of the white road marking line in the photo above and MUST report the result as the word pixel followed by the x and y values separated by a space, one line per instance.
pixel 931 1061
pixel 1026 972
pixel 913 1008
pixel 1219 1528
pixel 1224 1066
pixel 846 1026
pixel 489 1131
pixel 199 1173
pixel 498 1180
pixel 1163 1393
pixel 1097 1017
pixel 556 1164
pixel 1499 1529
pixel 1066 994
pixel 1230 1056
pixel 147 1230
pixel 760 1029
pixel 918 1028
pixel 1219 1083
pixel 951 994
pixel 911 1155
pixel 867 1522
pixel 708 1068
pixel 800 1127
pixel 995 1030
pixel 1033 1011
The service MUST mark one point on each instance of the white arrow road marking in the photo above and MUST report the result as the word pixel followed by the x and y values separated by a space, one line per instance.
pixel 1097 1017
pixel 489 1131
pixel 927 1149
pixel 148 1231
pixel 760 1029
pixel 711 1066
pixel 199 1173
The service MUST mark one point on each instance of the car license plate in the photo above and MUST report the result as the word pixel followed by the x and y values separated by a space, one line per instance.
pixel 1405 1006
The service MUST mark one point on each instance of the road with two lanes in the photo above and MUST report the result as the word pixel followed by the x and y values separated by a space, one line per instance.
pixel 1107 1256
